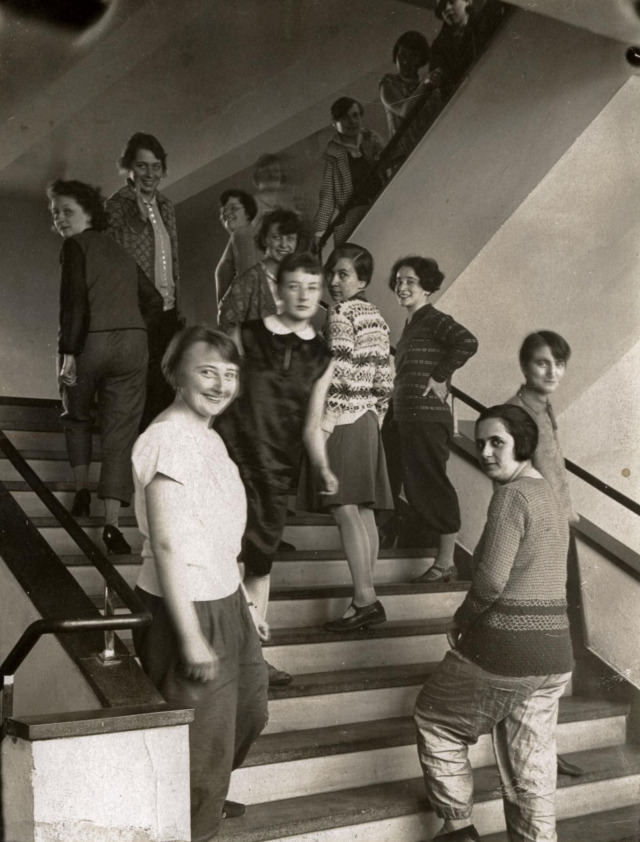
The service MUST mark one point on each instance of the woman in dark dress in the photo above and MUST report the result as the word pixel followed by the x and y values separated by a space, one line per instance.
pixel 286 373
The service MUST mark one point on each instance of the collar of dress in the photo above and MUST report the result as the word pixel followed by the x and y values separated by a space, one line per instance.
pixel 274 324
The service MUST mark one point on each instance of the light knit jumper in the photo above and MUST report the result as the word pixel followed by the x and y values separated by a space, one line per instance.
pixel 358 338
pixel 514 618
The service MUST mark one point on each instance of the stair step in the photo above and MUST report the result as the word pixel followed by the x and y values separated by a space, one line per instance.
pixel 306 568
pixel 308 607
pixel 622 825
pixel 53 442
pixel 398 642
pixel 398 810
pixel 303 762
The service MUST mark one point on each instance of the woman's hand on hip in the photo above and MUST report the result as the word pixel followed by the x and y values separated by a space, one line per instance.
pixel 68 374
pixel 440 390
pixel 199 660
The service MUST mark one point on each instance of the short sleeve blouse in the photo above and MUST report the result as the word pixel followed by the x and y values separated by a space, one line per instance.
pixel 211 520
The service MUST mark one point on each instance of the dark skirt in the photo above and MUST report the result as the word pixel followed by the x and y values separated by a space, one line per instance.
pixel 356 457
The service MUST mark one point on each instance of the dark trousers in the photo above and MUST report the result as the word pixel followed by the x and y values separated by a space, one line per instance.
pixel 230 710
pixel 111 372
pixel 425 451
pixel 159 393
pixel 266 519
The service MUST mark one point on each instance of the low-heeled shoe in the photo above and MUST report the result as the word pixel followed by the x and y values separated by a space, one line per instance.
pixel 81 506
pixel 465 834
pixel 114 541
pixel 369 615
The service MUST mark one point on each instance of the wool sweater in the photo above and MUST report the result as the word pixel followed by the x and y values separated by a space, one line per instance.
pixel 434 345
pixel 514 617
pixel 358 338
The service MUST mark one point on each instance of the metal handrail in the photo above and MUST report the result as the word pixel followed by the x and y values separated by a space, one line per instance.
pixel 140 616
pixel 583 474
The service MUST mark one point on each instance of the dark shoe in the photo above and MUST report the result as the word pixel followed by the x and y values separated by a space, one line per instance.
pixel 278 678
pixel 81 503
pixel 114 541
pixel 370 615
pixel 570 769
pixel 465 834
pixel 233 809
pixel 436 574
pixel 286 547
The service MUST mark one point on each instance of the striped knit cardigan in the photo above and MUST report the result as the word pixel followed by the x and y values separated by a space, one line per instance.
pixel 358 338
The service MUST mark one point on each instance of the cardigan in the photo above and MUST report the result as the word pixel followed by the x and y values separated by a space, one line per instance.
pixel 136 235
pixel 358 337
pixel 514 617
pixel 249 298
pixel 337 187
pixel 434 345
pixel 101 289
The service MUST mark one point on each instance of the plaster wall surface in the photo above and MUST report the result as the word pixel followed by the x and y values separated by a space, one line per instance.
pixel 133 787
pixel 48 681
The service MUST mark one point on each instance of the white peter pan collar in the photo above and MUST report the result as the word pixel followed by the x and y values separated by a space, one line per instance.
pixel 274 324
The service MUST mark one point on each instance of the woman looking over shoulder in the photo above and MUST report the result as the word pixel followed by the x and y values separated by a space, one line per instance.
pixel 431 348
pixel 143 221
pixel 347 166
pixel 543 359
pixel 356 403
pixel 102 344
pixel 201 649
pixel 511 652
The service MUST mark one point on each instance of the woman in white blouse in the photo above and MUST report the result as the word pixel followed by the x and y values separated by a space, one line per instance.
pixel 201 650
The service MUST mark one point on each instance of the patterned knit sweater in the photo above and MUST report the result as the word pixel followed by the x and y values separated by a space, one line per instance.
pixel 358 338
pixel 514 618
pixel 432 345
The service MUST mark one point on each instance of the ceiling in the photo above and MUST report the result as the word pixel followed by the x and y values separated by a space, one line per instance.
pixel 217 82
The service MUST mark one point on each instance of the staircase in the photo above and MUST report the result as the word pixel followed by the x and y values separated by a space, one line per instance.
pixel 338 761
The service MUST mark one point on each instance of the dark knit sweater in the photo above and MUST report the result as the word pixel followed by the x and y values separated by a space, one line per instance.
pixel 432 345
pixel 514 618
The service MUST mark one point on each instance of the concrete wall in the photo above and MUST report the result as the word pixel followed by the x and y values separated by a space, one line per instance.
pixel 47 665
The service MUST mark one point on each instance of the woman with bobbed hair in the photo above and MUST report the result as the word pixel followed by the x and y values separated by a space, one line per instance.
pixel 510 657
pixel 238 210
pixel 347 165
pixel 201 650
pixel 403 91
pixel 543 359
pixel 254 294
pixel 102 344
pixel 432 346
pixel 143 221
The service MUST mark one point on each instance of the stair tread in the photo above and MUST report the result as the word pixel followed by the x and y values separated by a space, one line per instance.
pixel 386 733
pixel 392 628
pixel 52 485
pixel 313 555
pixel 322 811
pixel 49 455
pixel 47 521
pixel 351 680
pixel 619 825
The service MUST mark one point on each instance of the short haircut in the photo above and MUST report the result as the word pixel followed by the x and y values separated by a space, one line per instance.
pixel 89 198
pixel 415 41
pixel 361 260
pixel 287 221
pixel 186 339
pixel 138 141
pixel 426 269
pixel 518 424
pixel 246 200
pixel 304 260
pixel 439 10
pixel 558 346
pixel 342 105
